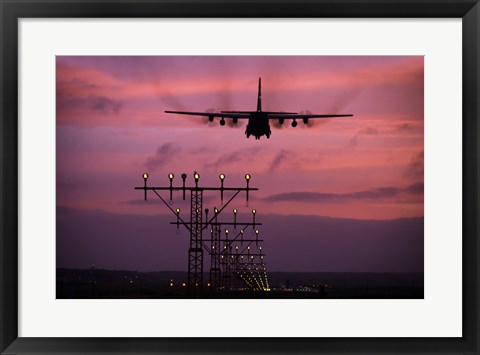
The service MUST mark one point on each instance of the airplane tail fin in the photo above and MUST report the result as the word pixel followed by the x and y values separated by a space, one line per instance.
pixel 259 100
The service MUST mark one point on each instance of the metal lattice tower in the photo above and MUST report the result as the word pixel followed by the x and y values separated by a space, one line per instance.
pixel 215 271
pixel 195 252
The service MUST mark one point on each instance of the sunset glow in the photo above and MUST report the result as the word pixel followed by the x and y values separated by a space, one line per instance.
pixel 111 129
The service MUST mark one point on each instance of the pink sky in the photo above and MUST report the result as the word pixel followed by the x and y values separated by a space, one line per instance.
pixel 111 128
pixel 345 194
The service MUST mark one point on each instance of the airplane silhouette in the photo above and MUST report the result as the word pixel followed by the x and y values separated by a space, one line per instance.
pixel 258 121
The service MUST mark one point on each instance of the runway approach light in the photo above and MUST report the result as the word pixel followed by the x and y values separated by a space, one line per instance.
pixel 254 211
pixel 145 176
pixel 177 210
pixel 247 177
pixel 171 176
pixel 196 176
pixel 222 177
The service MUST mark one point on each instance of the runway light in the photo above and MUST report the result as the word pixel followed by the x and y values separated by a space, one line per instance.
pixel 196 176
pixel 145 176
pixel 241 231
pixel 235 211
pixel 247 177
pixel 184 284
pixel 254 211
pixel 177 210
pixel 222 176
pixel 215 210
pixel 171 176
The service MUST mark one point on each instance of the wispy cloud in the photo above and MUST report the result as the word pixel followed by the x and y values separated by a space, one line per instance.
pixel 373 194
pixel 279 158
pixel 234 157
pixel 165 153
pixel 415 168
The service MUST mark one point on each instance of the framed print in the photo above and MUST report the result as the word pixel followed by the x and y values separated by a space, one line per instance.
pixel 196 176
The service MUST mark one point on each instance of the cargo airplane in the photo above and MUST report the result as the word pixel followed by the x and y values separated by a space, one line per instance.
pixel 258 121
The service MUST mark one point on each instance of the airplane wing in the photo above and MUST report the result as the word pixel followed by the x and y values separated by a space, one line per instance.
pixel 300 116
pixel 212 114
pixel 267 112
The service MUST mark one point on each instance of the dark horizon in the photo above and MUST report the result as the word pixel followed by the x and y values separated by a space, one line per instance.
pixel 88 283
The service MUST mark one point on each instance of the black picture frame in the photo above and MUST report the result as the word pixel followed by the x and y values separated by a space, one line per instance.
pixel 12 11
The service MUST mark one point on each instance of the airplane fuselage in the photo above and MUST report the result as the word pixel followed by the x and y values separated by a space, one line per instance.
pixel 258 125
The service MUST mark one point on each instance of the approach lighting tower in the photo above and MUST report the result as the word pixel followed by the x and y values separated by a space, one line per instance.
pixel 219 248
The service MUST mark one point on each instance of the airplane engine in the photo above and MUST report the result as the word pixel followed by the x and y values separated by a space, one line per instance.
pixel 305 120
pixel 281 120
pixel 210 118
pixel 235 120
pixel 294 123
pixel 222 122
